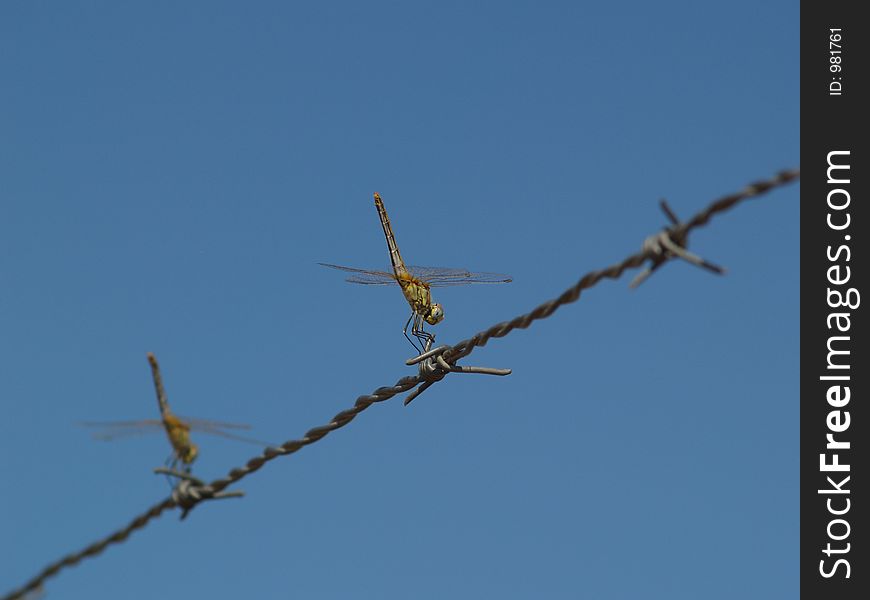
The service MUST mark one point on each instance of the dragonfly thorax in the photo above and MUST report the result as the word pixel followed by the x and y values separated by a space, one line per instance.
pixel 178 433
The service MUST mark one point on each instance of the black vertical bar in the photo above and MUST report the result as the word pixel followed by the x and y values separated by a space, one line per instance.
pixel 835 222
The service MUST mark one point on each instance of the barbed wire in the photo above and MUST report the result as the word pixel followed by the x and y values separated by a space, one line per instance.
pixel 97 547
pixel 665 245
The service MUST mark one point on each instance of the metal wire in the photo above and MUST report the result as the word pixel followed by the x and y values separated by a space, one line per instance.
pixel 193 494
pixel 71 559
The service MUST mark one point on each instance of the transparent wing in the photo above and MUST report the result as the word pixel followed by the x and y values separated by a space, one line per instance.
pixel 442 277
pixel 208 424
pixel 113 430
pixel 434 276
pixel 364 276
pixel 233 436
pixel 217 428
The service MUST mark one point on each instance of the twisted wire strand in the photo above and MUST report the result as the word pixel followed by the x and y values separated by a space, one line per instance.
pixel 96 548
pixel 313 435
pixel 381 394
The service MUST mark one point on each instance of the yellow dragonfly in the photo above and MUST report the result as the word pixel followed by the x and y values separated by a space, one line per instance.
pixel 177 428
pixel 415 283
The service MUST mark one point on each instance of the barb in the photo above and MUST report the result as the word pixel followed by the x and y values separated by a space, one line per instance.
pixel 433 368
pixel 190 491
pixel 670 243
pixel 446 356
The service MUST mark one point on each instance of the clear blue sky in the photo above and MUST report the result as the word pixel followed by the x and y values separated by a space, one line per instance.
pixel 171 173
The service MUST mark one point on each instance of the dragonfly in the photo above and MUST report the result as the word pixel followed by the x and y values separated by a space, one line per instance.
pixel 177 428
pixel 415 283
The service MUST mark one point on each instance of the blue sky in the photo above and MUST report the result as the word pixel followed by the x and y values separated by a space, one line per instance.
pixel 171 173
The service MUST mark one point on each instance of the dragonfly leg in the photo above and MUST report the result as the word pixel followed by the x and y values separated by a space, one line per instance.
pixel 171 463
pixel 173 460
pixel 424 337
pixel 414 317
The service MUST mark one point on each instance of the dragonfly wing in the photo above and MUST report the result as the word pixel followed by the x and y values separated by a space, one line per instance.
pixel 364 276
pixel 231 436
pixel 113 430
pixel 442 277
pixel 217 428
pixel 205 424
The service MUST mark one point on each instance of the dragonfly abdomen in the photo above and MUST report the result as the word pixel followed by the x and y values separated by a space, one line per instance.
pixel 395 257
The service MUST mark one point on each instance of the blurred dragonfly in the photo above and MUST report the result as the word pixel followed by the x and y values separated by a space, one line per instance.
pixel 415 283
pixel 177 428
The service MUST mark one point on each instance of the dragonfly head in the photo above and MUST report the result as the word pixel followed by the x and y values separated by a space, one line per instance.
pixel 189 454
pixel 435 314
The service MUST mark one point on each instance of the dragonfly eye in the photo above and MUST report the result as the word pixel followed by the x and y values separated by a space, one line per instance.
pixel 436 314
